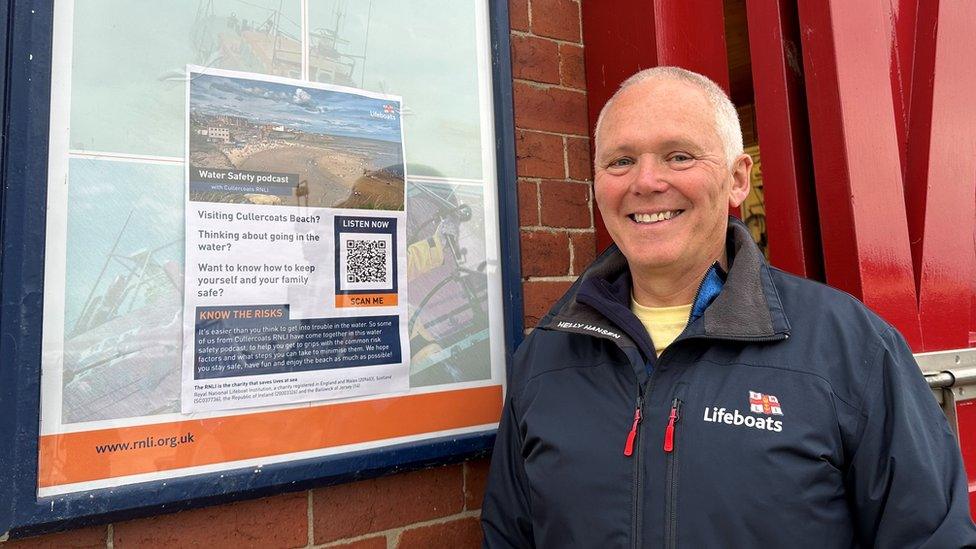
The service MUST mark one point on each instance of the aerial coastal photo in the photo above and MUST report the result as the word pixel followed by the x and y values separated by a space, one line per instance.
pixel 254 141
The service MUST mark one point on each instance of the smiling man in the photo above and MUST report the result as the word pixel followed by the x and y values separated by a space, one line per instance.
pixel 683 392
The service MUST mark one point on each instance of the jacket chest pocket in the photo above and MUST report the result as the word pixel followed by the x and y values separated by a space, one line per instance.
pixel 762 437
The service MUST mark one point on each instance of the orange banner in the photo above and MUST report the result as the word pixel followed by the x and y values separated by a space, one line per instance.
pixel 92 455
pixel 366 300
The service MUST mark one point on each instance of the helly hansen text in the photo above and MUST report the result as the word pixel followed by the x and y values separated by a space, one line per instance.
pixel 720 415
pixel 597 329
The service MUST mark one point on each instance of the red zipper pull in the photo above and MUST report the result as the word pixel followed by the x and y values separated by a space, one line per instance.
pixel 629 447
pixel 669 432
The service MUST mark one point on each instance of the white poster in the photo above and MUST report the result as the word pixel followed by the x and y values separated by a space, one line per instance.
pixel 295 280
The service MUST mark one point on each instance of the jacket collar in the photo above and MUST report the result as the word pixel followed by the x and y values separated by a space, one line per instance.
pixel 747 308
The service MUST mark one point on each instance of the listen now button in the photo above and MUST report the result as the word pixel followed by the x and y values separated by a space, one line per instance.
pixel 366 300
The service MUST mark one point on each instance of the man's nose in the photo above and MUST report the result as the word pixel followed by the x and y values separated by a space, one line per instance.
pixel 651 176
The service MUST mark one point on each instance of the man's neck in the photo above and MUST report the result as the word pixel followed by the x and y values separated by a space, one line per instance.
pixel 671 286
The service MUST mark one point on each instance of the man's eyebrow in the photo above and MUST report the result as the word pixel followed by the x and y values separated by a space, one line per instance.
pixel 667 145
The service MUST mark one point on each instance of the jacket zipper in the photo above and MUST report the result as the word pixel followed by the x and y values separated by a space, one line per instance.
pixel 629 445
pixel 671 527
pixel 634 443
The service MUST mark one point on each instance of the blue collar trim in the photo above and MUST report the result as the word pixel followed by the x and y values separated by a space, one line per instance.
pixel 710 287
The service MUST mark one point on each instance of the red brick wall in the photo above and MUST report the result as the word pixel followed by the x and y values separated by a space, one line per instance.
pixel 553 149
pixel 437 507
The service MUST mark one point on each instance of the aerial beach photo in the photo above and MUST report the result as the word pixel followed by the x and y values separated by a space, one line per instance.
pixel 256 141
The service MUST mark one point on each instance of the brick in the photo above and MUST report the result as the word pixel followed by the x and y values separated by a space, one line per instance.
pixel 475 478
pixel 538 296
pixel 535 59
pixel 550 109
pixel 571 71
pixel 457 534
pixel 565 204
pixel 518 15
pixel 539 154
pixel 544 253
pixel 584 250
pixel 279 521
pixel 82 538
pixel 578 158
pixel 355 509
pixel 557 19
pixel 528 203
pixel 378 542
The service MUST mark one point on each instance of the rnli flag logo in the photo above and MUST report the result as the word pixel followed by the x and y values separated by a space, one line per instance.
pixel 388 109
pixel 764 404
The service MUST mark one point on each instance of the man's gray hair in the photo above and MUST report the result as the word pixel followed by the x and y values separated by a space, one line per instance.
pixel 726 117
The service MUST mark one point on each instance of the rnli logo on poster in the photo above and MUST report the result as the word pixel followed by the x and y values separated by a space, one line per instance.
pixel 764 404
pixel 389 112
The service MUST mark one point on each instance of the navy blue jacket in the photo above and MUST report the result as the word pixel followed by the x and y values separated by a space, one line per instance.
pixel 785 415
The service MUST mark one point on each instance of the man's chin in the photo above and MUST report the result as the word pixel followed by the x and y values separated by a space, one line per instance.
pixel 650 263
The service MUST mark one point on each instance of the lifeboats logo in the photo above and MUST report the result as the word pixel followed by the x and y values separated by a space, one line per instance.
pixel 758 403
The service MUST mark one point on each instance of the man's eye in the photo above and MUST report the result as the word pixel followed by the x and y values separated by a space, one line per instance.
pixel 620 162
pixel 680 158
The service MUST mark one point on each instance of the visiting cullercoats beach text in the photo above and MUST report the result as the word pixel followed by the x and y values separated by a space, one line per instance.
pixel 786 414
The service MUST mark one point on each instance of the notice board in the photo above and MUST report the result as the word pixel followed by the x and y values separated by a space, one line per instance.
pixel 271 248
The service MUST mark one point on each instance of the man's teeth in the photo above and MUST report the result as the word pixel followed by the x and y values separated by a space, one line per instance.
pixel 655 217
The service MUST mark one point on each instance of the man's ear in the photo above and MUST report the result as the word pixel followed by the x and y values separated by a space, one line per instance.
pixel 741 169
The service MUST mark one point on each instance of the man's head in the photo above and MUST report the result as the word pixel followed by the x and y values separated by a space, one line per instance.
pixel 668 165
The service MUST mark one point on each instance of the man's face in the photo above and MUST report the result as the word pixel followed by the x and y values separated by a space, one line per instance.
pixel 662 182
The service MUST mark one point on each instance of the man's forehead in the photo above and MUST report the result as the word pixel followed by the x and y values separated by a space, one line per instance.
pixel 674 110
pixel 663 96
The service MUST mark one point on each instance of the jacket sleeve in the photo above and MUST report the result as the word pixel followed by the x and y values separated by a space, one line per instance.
pixel 505 514
pixel 906 476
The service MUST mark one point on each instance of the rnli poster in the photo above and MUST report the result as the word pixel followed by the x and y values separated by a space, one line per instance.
pixel 265 242
pixel 295 247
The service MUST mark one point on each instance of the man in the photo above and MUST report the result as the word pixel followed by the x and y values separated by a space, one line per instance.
pixel 683 392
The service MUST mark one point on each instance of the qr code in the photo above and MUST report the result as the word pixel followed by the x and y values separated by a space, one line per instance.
pixel 366 260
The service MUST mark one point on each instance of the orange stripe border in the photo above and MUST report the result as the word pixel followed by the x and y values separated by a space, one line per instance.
pixel 72 457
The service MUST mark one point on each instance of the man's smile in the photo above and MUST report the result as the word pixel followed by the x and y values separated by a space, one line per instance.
pixel 656 217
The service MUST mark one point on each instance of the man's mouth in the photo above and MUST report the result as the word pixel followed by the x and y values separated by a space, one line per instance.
pixel 645 218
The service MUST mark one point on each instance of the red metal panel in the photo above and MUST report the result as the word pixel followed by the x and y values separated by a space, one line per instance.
pixel 791 211
pixel 901 18
pixel 919 112
pixel 856 160
pixel 637 34
pixel 855 145
pixel 691 34
pixel 947 263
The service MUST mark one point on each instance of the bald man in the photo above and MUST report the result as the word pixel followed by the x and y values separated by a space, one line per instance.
pixel 685 393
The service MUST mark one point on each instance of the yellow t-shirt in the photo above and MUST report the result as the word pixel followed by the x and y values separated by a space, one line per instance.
pixel 663 323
